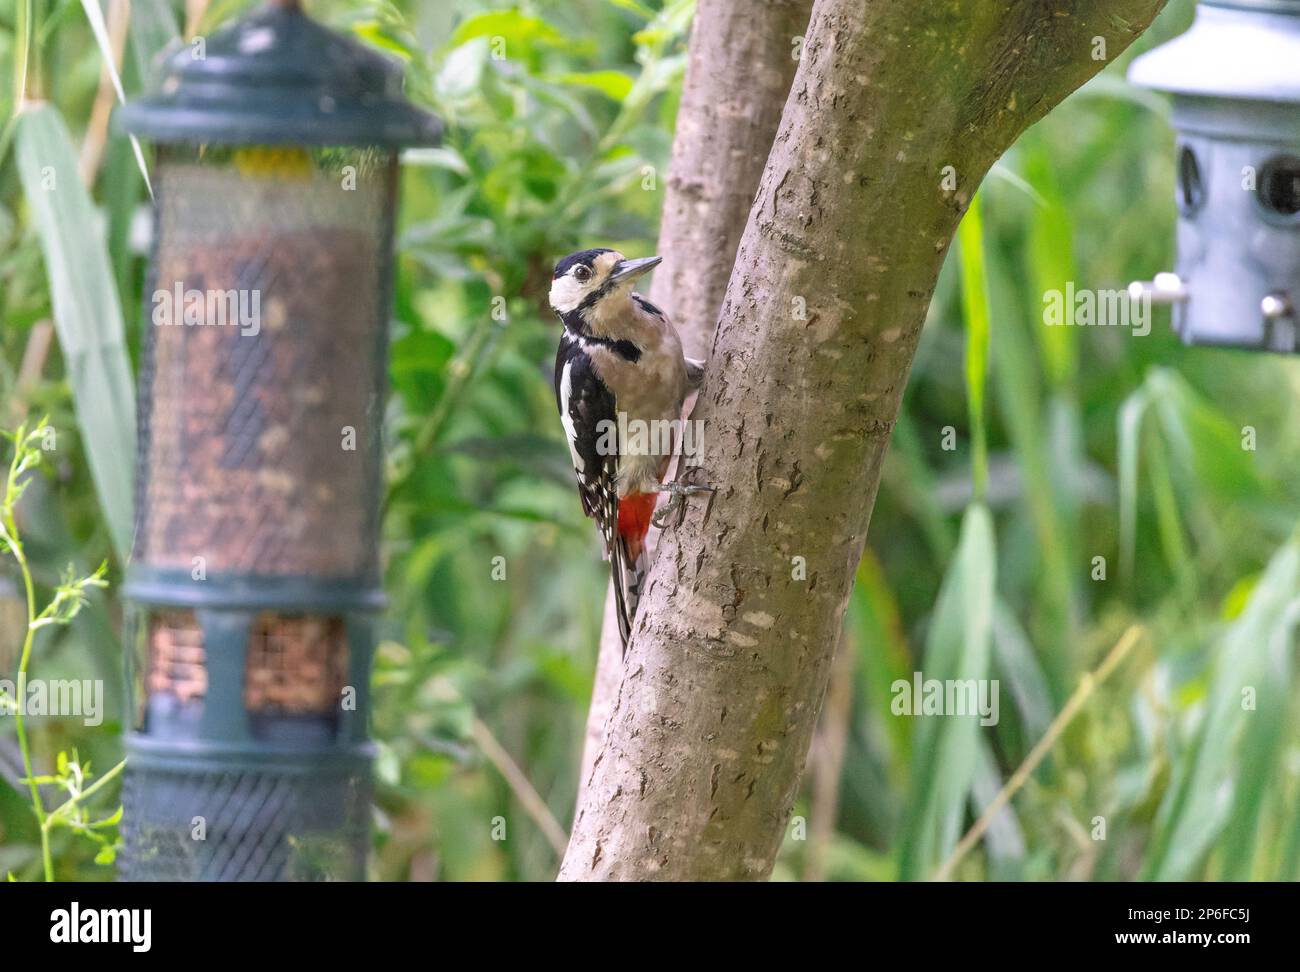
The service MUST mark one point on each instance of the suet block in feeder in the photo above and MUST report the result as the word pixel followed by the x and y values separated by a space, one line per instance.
pixel 255 571
pixel 1235 81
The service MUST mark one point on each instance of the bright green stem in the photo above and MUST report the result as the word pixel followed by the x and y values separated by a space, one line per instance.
pixel 975 308
pixel 58 813
pixel 22 49
pixel 10 537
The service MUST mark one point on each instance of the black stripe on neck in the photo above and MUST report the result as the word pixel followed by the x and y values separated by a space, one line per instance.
pixel 576 328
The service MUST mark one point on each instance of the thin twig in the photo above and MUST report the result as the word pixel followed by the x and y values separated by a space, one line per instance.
pixel 523 790
pixel 1087 685
pixel 194 13
pixel 35 353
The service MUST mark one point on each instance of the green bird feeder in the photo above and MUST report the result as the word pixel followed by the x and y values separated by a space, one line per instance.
pixel 255 574
pixel 1235 82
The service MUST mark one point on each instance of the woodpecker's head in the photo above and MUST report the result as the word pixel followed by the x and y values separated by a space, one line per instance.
pixel 592 285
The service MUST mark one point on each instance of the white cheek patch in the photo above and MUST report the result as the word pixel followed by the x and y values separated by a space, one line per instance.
pixel 566 293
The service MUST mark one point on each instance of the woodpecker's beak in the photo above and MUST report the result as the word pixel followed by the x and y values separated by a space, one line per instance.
pixel 631 269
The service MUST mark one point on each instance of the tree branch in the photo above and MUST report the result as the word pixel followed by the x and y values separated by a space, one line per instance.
pixel 725 128
pixel 734 638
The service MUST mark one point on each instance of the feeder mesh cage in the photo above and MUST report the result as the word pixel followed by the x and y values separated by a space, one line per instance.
pixel 252 825
pixel 259 474
pixel 265 372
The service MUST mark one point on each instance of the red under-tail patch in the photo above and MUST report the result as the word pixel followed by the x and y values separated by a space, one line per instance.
pixel 634 513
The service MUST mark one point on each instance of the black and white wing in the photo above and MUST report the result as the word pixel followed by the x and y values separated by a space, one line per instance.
pixel 588 411
pixel 586 403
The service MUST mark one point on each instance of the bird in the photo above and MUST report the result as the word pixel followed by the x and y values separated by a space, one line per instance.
pixel 621 379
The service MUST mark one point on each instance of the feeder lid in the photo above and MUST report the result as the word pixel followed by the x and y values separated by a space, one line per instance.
pixel 1238 49
pixel 278 77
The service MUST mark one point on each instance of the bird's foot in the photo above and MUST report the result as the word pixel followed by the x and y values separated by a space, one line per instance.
pixel 676 505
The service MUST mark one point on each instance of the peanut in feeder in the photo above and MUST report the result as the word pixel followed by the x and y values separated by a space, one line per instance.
pixel 255 572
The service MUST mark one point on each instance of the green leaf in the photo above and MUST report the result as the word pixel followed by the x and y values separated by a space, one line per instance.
pixel 614 84
pixel 876 634
pixel 99 29
pixel 633 6
pixel 975 310
pixel 513 26
pixel 443 157
pixel 1015 662
pixel 382 37
pixel 1201 438
pixel 153 30
pixel 1131 414
pixel 1050 254
pixel 1004 841
pixel 1215 785
pixel 87 313
pixel 1045 474
pixel 110 821
pixel 945 746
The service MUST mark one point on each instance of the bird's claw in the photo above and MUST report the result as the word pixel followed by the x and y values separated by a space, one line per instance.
pixel 677 493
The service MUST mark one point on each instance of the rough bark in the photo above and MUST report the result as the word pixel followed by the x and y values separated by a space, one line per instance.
pixel 728 665
pixel 741 62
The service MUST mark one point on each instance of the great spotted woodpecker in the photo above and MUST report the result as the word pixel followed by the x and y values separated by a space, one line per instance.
pixel 620 376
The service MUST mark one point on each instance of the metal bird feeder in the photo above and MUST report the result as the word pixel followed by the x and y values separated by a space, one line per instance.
pixel 1235 81
pixel 255 575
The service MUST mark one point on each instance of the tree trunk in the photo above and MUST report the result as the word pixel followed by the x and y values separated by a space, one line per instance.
pixel 742 60
pixel 734 637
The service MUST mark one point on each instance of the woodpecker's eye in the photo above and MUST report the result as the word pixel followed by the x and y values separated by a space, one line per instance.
pixel 582 274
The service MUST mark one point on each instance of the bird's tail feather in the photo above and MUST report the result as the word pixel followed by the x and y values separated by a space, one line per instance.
pixel 629 572
pixel 617 555
pixel 629 558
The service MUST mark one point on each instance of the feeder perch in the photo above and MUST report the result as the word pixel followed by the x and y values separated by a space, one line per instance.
pixel 254 577
pixel 1236 109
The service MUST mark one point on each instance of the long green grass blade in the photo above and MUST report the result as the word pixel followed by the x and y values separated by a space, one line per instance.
pixel 1004 841
pixel 1131 414
pixel 975 310
pixel 1261 750
pixel 1213 782
pixel 1015 662
pixel 1050 257
pixel 87 314
pixel 1019 391
pixel 153 30
pixel 95 17
pixel 945 746
pixel 877 634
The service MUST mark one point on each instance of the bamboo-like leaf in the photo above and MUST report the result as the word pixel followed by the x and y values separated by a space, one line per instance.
pixel 1024 411
pixel 975 310
pixel 1197 809
pixel 1205 443
pixel 87 313
pixel 1201 448
pixel 1261 749
pixel 1004 842
pixel 1015 661
pixel 1131 414
pixel 99 28
pixel 1050 258
pixel 945 747
pixel 153 30
pixel 883 655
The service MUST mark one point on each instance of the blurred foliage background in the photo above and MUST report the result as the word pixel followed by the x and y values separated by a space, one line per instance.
pixel 1101 445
